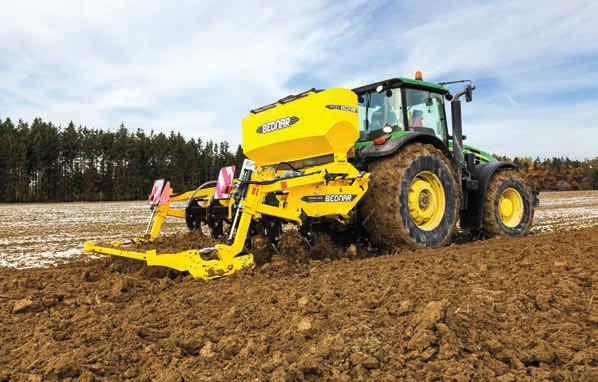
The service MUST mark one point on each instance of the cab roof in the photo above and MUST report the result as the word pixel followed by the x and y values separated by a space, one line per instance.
pixel 401 81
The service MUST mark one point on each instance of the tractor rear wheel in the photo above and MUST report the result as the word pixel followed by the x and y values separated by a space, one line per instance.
pixel 509 205
pixel 413 198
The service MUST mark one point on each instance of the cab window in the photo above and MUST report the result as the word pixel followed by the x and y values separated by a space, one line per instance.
pixel 377 110
pixel 425 112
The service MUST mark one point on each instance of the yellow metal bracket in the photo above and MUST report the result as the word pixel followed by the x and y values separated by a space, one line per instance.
pixel 190 261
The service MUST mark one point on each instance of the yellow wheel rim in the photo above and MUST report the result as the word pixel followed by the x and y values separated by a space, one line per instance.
pixel 510 207
pixel 426 201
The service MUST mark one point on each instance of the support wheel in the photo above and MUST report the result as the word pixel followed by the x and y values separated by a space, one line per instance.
pixel 414 198
pixel 509 205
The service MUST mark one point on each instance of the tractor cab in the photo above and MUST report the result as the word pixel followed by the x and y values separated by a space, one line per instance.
pixel 393 107
pixel 403 107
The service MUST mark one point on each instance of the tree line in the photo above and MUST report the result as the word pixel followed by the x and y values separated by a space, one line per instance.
pixel 43 162
pixel 558 174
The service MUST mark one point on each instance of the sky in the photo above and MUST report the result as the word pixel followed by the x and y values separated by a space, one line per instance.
pixel 197 67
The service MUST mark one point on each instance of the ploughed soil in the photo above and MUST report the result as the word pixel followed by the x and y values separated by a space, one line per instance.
pixel 500 309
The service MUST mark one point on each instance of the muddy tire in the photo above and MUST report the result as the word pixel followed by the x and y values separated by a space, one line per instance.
pixel 509 205
pixel 391 210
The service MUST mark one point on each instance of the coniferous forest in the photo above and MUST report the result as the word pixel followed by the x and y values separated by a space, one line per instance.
pixel 43 162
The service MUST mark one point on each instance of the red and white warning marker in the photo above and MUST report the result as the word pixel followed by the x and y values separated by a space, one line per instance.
pixel 224 184
pixel 154 196
pixel 160 193
pixel 159 196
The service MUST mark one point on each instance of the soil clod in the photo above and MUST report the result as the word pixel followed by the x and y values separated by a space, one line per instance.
pixel 24 305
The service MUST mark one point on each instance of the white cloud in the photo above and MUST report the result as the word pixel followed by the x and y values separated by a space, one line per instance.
pixel 198 66
pixel 538 58
pixel 560 130
pixel 195 67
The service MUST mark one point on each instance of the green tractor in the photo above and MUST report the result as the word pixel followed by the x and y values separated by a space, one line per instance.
pixel 425 182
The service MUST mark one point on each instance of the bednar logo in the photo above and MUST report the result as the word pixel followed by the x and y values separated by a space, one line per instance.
pixel 342 108
pixel 332 198
pixel 278 124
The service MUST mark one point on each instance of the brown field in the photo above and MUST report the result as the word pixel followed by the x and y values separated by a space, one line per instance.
pixel 499 309
pixel 34 235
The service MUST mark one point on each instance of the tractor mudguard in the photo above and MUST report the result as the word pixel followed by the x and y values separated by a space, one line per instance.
pixel 393 145
pixel 471 218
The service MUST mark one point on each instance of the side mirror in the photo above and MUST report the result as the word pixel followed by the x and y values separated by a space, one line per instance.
pixel 468 93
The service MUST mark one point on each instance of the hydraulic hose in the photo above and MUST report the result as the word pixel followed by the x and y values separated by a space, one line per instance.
pixel 202 186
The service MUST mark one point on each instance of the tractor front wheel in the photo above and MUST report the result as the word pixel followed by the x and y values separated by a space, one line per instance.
pixel 414 198
pixel 509 205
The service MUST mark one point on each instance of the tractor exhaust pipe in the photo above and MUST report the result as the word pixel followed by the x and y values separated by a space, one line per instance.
pixel 457 124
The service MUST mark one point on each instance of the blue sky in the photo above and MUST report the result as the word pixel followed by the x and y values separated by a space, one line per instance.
pixel 198 66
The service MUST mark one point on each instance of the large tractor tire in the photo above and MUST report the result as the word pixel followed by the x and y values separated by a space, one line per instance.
pixel 509 205
pixel 414 198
